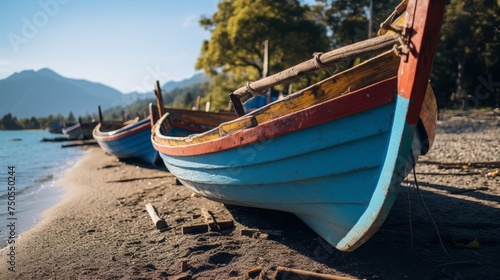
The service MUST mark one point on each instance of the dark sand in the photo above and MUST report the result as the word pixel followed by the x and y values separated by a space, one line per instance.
pixel 101 229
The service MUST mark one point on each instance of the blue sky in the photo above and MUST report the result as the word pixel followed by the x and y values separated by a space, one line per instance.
pixel 123 44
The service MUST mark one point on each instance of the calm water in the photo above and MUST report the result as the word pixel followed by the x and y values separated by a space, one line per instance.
pixel 38 165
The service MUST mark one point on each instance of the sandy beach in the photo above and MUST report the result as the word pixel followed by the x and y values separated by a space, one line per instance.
pixel 101 229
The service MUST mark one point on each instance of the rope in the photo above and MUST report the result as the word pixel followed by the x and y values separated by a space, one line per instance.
pixel 251 90
pixel 317 61
pixel 430 216
pixel 433 263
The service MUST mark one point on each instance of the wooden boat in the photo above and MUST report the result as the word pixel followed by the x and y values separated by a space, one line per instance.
pixel 80 130
pixel 334 153
pixel 126 140
pixel 183 122
pixel 55 127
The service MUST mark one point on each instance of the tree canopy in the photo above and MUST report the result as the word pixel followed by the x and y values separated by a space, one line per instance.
pixel 238 31
pixel 465 69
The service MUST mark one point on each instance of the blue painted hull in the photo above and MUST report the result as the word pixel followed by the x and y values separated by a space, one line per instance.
pixel 334 153
pixel 328 179
pixel 130 142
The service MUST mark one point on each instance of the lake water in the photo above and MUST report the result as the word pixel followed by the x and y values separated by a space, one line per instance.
pixel 36 166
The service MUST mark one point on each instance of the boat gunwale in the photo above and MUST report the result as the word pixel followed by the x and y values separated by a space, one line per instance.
pixel 123 132
pixel 386 92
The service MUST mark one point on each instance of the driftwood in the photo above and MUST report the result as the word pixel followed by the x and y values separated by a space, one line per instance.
pixel 157 221
pixel 210 223
pixel 210 220
pixel 200 228
pixel 289 273
pixel 197 228
pixel 320 61
pixel 461 165
pixel 252 271
pixel 184 264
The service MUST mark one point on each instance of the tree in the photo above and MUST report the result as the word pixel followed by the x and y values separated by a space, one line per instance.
pixel 10 123
pixel 347 21
pixel 467 63
pixel 238 31
pixel 31 123
pixel 71 118
pixel 184 100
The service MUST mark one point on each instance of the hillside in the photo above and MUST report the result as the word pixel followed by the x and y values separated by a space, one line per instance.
pixel 44 92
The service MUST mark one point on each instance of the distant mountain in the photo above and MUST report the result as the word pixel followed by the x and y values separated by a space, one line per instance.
pixel 196 79
pixel 44 92
pixel 170 85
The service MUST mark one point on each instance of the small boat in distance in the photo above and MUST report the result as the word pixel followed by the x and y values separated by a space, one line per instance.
pixel 81 130
pixel 334 153
pixel 126 139
pixel 56 127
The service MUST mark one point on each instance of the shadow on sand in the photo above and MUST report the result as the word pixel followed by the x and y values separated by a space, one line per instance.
pixel 389 254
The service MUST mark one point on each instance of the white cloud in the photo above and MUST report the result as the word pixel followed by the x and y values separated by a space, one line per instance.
pixel 190 20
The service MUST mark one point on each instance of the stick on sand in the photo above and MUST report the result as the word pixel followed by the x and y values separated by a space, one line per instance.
pixel 159 223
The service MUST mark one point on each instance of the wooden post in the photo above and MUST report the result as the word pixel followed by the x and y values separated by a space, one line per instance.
pixel 265 67
pixel 159 100
pixel 161 108
pixel 370 22
pixel 101 120
pixel 198 100
pixel 159 223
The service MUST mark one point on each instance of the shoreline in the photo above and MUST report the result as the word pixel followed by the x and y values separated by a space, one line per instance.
pixel 58 192
pixel 101 229
pixel 37 181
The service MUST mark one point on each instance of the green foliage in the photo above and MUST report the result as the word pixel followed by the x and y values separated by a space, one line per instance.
pixel 10 123
pixel 238 31
pixel 71 118
pixel 31 123
pixel 466 67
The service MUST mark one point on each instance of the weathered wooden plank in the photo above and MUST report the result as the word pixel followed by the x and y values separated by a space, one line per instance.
pixel 197 228
pixel 210 219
